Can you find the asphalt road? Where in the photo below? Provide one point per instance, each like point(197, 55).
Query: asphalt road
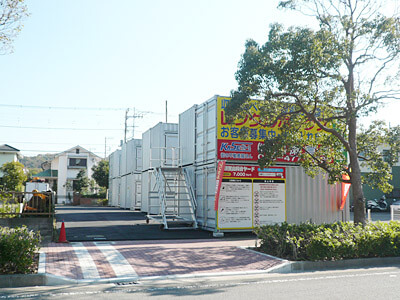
point(114, 224)
point(377, 283)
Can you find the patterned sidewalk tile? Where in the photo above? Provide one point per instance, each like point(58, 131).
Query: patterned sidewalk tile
point(158, 258)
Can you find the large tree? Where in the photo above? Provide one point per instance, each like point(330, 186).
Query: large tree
point(327, 77)
point(11, 14)
point(100, 173)
point(13, 176)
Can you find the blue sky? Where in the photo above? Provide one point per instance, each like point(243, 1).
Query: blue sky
point(85, 55)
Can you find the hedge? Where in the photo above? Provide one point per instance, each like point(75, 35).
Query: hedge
point(342, 240)
point(18, 250)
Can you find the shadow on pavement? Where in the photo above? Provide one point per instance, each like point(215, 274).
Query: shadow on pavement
point(114, 224)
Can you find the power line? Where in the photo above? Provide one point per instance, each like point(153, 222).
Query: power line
point(62, 107)
point(60, 128)
point(73, 108)
point(49, 143)
point(52, 151)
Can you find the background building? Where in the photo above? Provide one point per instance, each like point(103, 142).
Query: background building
point(64, 168)
point(8, 154)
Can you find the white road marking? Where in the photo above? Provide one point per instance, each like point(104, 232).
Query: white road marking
point(120, 265)
point(89, 269)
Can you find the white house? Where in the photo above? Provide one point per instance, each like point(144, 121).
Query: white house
point(64, 168)
point(8, 154)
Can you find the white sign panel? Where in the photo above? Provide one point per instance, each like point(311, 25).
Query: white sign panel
point(235, 204)
point(269, 201)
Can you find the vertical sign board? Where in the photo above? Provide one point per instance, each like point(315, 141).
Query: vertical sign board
point(251, 196)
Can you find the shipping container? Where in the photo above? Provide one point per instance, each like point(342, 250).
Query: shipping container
point(114, 162)
point(149, 197)
point(123, 191)
point(294, 198)
point(251, 197)
point(131, 188)
point(114, 192)
point(160, 146)
point(133, 156)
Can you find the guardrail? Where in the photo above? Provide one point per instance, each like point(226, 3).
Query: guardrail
point(26, 204)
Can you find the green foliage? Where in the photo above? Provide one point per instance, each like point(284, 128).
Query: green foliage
point(13, 177)
point(342, 240)
point(328, 78)
point(102, 202)
point(36, 161)
point(18, 248)
point(7, 205)
point(32, 172)
point(81, 183)
point(369, 145)
point(100, 173)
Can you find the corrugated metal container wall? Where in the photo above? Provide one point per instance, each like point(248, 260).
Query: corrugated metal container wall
point(116, 158)
point(123, 160)
point(206, 136)
point(158, 147)
point(187, 136)
point(114, 200)
point(312, 199)
point(146, 177)
point(307, 199)
point(205, 196)
point(129, 191)
point(122, 192)
point(136, 191)
point(133, 156)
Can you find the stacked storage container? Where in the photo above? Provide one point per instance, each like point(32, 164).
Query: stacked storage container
point(160, 149)
point(134, 174)
point(115, 179)
point(125, 175)
point(249, 195)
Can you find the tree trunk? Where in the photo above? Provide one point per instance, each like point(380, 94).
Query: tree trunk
point(358, 195)
point(355, 175)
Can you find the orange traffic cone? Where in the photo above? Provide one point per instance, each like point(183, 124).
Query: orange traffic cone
point(63, 236)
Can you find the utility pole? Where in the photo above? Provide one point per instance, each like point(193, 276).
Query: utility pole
point(134, 116)
point(126, 124)
point(166, 111)
point(105, 146)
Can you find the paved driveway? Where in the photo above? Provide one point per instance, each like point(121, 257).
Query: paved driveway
point(114, 224)
point(132, 260)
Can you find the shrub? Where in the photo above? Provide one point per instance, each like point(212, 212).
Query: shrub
point(342, 240)
point(102, 202)
point(18, 249)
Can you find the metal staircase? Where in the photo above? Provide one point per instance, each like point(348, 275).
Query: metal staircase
point(176, 199)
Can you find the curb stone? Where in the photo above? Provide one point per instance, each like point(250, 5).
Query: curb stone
point(359, 263)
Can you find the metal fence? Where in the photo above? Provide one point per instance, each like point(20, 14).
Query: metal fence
point(26, 204)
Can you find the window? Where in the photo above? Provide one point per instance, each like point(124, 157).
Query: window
point(77, 162)
point(77, 150)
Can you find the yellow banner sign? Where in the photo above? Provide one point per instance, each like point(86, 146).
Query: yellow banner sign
point(257, 130)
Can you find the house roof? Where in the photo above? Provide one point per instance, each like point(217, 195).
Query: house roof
point(80, 149)
point(8, 148)
point(47, 173)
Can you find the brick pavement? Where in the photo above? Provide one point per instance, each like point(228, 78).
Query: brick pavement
point(158, 258)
